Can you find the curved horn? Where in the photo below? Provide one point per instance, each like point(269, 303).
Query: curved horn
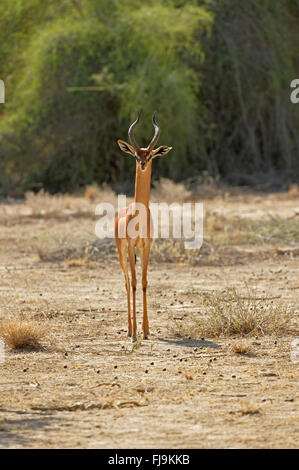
point(156, 135)
point(131, 133)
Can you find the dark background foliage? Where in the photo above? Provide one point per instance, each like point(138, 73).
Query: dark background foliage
point(217, 72)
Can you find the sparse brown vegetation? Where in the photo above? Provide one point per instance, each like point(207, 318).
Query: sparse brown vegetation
point(229, 313)
point(249, 408)
point(221, 230)
point(21, 334)
point(165, 190)
point(193, 390)
point(91, 192)
point(242, 346)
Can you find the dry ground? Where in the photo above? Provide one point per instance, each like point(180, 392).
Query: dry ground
point(89, 386)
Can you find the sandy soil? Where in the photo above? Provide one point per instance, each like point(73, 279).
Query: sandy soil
point(89, 386)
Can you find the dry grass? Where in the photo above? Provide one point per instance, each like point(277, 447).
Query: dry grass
point(228, 313)
point(220, 230)
point(249, 408)
point(171, 250)
point(95, 194)
point(43, 204)
point(91, 192)
point(166, 190)
point(294, 190)
point(242, 346)
point(46, 205)
point(91, 375)
point(21, 334)
point(75, 263)
point(226, 239)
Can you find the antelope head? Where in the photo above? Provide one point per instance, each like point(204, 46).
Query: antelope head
point(143, 155)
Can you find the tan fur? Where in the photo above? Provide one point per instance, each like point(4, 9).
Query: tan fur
point(126, 245)
point(126, 248)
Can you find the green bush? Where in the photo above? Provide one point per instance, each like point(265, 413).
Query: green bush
point(251, 58)
point(218, 73)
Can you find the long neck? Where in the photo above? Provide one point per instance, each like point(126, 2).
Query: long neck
point(143, 184)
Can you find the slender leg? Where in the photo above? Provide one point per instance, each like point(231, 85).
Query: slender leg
point(122, 254)
point(134, 283)
point(144, 252)
point(127, 280)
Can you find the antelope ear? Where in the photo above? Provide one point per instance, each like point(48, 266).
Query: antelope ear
point(127, 148)
point(160, 151)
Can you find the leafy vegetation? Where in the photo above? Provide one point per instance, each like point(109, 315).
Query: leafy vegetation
point(218, 73)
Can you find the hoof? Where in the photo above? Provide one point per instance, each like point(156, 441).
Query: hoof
point(134, 339)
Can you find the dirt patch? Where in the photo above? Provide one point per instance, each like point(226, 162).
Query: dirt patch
point(89, 386)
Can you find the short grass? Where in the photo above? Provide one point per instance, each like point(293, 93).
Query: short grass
point(229, 313)
point(21, 334)
point(221, 231)
point(240, 346)
point(249, 408)
point(74, 236)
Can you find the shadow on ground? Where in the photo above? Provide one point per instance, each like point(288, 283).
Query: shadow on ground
point(192, 343)
point(10, 428)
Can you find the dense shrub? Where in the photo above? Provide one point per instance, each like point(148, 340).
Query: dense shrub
point(251, 58)
point(217, 71)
